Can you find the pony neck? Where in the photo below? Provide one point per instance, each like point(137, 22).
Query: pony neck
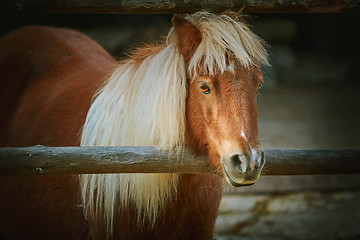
point(142, 104)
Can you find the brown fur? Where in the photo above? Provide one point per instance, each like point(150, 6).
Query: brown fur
point(43, 103)
point(50, 76)
point(223, 104)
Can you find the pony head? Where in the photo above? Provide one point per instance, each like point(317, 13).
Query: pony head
point(223, 59)
point(198, 90)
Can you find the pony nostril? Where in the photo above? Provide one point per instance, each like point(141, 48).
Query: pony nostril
point(240, 169)
point(238, 162)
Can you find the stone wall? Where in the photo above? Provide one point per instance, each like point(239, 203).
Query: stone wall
point(291, 215)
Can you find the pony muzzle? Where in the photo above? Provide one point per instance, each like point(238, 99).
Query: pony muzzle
point(243, 170)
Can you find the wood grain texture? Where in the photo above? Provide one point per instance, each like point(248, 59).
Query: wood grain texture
point(179, 6)
point(41, 160)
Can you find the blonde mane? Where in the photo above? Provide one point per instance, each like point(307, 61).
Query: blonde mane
point(223, 37)
point(143, 104)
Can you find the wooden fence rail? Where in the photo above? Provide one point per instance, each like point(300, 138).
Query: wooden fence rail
point(179, 6)
point(41, 160)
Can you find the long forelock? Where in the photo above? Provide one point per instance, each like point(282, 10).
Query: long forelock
point(224, 38)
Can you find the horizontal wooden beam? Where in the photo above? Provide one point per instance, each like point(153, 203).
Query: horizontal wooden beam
point(41, 160)
point(179, 6)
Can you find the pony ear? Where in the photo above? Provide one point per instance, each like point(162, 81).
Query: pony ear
point(188, 37)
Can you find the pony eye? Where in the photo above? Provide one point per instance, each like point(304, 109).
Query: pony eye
point(204, 88)
point(259, 86)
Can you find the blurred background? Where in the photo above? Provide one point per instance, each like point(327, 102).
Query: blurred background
point(310, 100)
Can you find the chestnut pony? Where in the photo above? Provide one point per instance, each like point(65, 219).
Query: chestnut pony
point(197, 90)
